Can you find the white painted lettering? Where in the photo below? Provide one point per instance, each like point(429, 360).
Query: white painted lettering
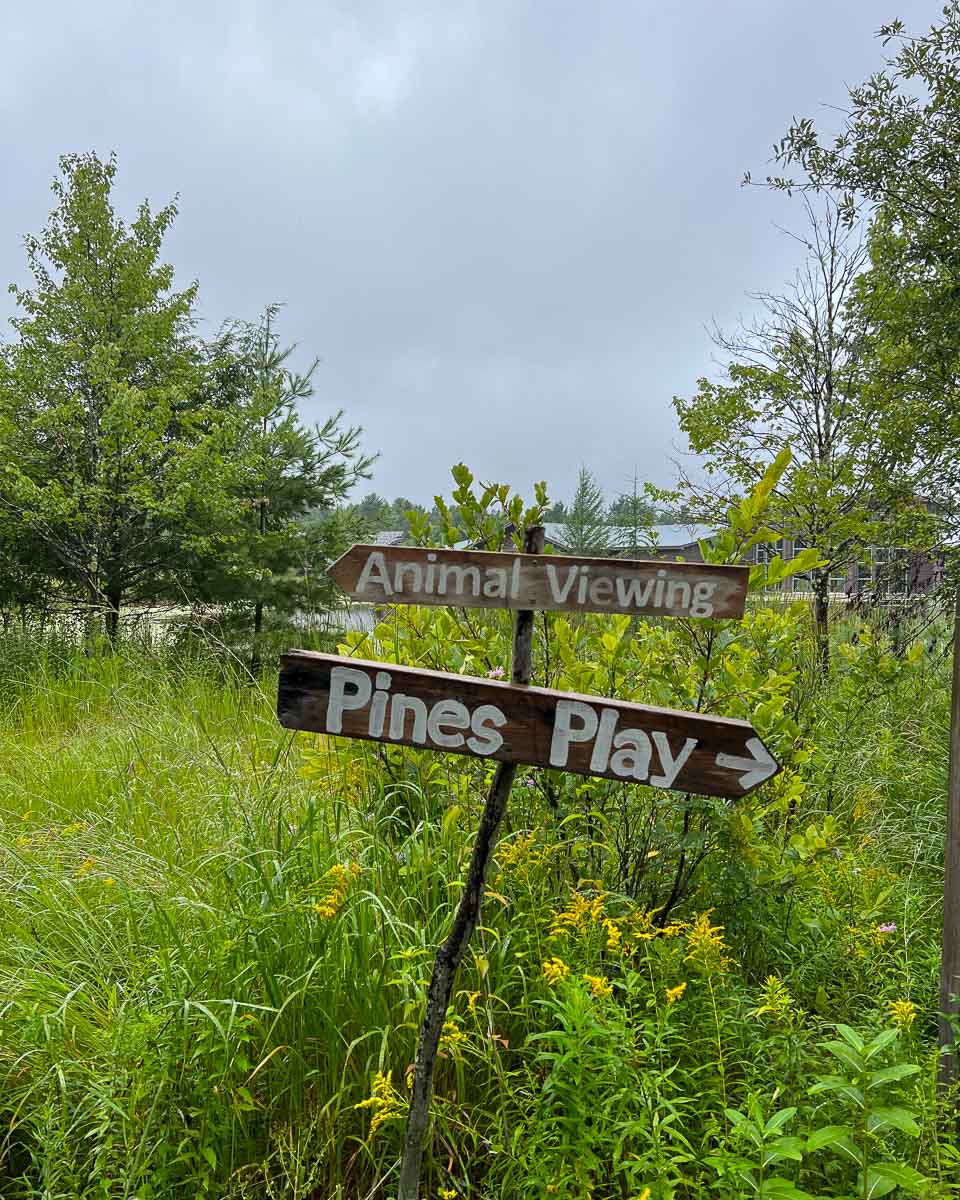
point(375, 562)
point(702, 596)
point(601, 747)
point(415, 573)
point(671, 766)
point(486, 740)
point(559, 592)
point(378, 706)
point(633, 593)
point(341, 700)
point(496, 584)
point(398, 718)
point(565, 732)
point(449, 713)
point(678, 587)
point(633, 760)
point(601, 591)
point(460, 575)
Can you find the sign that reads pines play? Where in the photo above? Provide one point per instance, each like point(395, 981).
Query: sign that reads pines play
point(589, 735)
point(482, 579)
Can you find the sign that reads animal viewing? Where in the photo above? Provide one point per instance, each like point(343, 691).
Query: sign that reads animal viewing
point(483, 579)
point(588, 735)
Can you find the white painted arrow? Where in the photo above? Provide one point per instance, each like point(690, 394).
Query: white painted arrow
point(758, 768)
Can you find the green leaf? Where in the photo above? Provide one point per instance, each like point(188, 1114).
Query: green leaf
point(778, 1188)
point(851, 1037)
point(838, 1138)
point(778, 1120)
point(897, 1118)
point(890, 1074)
point(782, 1149)
point(883, 1177)
point(881, 1042)
point(850, 1058)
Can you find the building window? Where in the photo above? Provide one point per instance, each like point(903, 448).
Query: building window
point(766, 552)
point(889, 569)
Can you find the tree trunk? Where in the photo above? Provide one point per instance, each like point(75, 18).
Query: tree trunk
point(257, 630)
point(821, 620)
point(111, 618)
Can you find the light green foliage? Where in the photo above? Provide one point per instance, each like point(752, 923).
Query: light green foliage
point(798, 379)
point(895, 158)
point(217, 935)
point(281, 529)
point(585, 523)
point(112, 462)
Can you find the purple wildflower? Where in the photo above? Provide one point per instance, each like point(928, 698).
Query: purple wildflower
point(496, 673)
point(889, 927)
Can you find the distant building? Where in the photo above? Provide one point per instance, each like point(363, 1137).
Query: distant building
point(657, 541)
point(885, 570)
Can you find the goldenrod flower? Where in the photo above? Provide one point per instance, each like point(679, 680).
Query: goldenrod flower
point(338, 881)
point(600, 986)
point(452, 1038)
point(447, 1193)
point(613, 935)
point(109, 881)
point(903, 1013)
point(673, 994)
point(386, 1103)
point(776, 999)
point(706, 946)
point(555, 969)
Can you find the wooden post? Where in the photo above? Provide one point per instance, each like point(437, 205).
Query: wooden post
point(950, 959)
point(454, 947)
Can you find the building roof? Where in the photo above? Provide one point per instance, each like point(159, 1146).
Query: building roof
point(659, 537)
point(389, 537)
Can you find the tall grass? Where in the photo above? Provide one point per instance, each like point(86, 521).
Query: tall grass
point(215, 938)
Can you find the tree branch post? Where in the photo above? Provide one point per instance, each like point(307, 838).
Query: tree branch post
point(950, 959)
point(451, 952)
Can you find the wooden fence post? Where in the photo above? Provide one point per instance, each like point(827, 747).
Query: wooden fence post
point(465, 920)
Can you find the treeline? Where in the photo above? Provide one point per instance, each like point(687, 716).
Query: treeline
point(587, 509)
point(139, 462)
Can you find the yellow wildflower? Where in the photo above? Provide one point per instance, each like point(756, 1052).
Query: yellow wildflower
point(579, 914)
point(644, 1195)
point(109, 881)
point(386, 1103)
point(338, 881)
point(600, 986)
point(673, 994)
point(705, 945)
point(776, 999)
point(555, 969)
point(472, 998)
point(452, 1038)
point(614, 935)
point(86, 867)
point(903, 1013)
point(447, 1193)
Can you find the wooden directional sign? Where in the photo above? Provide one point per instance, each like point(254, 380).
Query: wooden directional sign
point(481, 579)
point(589, 735)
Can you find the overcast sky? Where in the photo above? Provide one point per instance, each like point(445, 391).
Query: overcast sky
point(504, 226)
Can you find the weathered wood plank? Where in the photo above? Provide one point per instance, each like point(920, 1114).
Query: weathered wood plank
point(589, 735)
point(483, 579)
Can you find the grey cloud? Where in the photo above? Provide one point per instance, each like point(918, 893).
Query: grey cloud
point(503, 226)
